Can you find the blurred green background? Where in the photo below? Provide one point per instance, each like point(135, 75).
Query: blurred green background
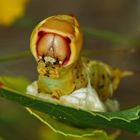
point(114, 40)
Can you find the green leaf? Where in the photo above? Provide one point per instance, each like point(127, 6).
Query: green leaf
point(15, 88)
point(1, 138)
point(65, 129)
point(75, 121)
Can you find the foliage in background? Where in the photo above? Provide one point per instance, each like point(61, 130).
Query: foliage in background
point(1, 138)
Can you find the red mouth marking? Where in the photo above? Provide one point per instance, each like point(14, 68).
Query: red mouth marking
point(40, 35)
point(67, 52)
point(68, 49)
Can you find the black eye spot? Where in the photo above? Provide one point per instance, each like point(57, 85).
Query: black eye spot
point(41, 33)
point(101, 86)
point(68, 40)
point(92, 84)
point(103, 77)
point(75, 67)
point(112, 78)
point(88, 61)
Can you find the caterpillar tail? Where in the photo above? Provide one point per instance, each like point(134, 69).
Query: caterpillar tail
point(126, 73)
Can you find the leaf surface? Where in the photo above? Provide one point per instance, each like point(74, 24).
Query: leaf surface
point(65, 119)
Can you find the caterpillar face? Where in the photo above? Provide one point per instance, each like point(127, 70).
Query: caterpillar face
point(51, 45)
point(57, 40)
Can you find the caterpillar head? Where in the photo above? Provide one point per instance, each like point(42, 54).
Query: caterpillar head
point(57, 40)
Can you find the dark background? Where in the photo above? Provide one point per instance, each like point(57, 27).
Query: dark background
point(120, 17)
